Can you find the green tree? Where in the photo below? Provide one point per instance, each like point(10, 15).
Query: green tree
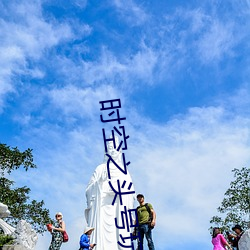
point(17, 199)
point(235, 207)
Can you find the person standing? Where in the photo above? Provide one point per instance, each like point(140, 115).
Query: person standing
point(218, 240)
point(56, 231)
point(239, 231)
point(144, 212)
point(85, 239)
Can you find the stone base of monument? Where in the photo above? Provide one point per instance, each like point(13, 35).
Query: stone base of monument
point(244, 242)
point(12, 247)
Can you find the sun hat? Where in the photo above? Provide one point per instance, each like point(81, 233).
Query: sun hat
point(87, 229)
point(59, 213)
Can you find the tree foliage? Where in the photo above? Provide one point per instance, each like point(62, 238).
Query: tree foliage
point(235, 207)
point(11, 159)
point(17, 199)
point(6, 240)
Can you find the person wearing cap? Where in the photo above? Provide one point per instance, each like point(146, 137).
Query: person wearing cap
point(145, 228)
point(56, 231)
point(239, 231)
point(85, 239)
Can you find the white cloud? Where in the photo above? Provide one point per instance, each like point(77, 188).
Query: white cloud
point(80, 3)
point(81, 102)
point(25, 35)
point(131, 12)
point(30, 32)
point(198, 33)
point(217, 42)
point(240, 100)
point(143, 63)
point(122, 71)
point(198, 19)
point(183, 167)
point(105, 69)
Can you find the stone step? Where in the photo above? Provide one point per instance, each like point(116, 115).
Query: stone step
point(12, 247)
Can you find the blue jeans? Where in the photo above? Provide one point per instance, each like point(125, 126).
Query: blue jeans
point(144, 229)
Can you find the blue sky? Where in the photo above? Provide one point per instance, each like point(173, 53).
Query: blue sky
point(181, 70)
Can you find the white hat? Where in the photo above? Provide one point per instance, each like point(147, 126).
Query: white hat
point(59, 213)
point(87, 229)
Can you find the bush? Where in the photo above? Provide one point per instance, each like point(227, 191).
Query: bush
point(6, 240)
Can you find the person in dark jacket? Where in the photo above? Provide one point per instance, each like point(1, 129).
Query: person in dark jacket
point(239, 231)
point(84, 240)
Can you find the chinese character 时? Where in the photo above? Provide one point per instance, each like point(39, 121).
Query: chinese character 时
point(114, 141)
point(114, 104)
point(119, 192)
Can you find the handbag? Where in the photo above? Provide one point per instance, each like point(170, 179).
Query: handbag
point(65, 236)
point(49, 227)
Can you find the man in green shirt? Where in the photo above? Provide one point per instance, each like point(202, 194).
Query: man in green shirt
point(145, 211)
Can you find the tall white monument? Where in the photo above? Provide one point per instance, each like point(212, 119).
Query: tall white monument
point(244, 242)
point(100, 212)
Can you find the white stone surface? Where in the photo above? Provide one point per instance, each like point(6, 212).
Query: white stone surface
point(244, 242)
point(25, 235)
point(14, 247)
point(7, 229)
point(4, 212)
point(100, 212)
